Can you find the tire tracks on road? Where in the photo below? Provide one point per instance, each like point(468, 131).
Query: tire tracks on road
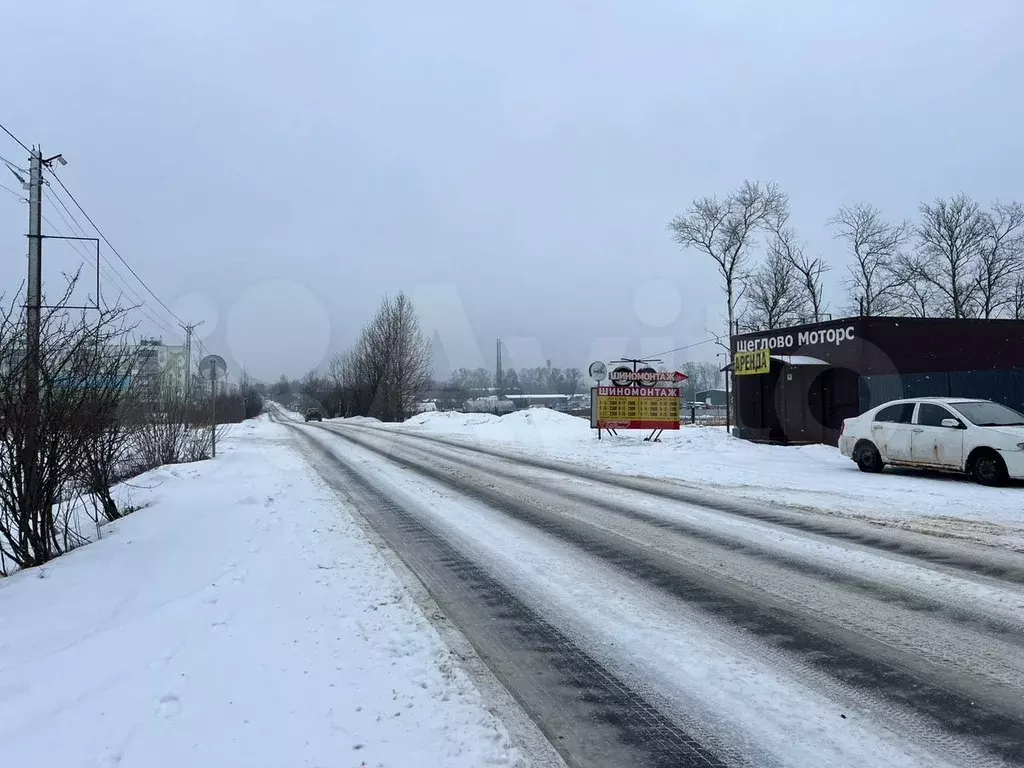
point(963, 556)
point(967, 710)
point(590, 716)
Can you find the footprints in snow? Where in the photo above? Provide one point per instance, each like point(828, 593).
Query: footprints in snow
point(169, 706)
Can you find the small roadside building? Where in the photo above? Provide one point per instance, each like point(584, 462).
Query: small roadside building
point(712, 397)
point(817, 375)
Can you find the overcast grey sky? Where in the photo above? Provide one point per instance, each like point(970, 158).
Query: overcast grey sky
point(273, 168)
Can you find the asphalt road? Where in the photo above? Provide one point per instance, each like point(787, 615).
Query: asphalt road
point(642, 623)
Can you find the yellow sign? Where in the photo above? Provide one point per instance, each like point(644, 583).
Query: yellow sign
point(752, 363)
point(636, 408)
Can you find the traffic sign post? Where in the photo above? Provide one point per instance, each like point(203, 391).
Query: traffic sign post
point(213, 367)
point(598, 371)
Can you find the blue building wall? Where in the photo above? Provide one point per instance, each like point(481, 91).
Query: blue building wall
point(1005, 386)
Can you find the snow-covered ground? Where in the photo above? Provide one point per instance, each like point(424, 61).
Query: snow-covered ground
point(816, 478)
point(240, 618)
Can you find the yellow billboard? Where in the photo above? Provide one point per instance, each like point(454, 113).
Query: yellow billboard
point(635, 408)
point(753, 362)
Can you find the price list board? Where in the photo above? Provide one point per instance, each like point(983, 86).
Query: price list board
point(635, 408)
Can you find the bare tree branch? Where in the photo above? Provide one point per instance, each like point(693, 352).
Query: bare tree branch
point(774, 291)
point(875, 246)
point(389, 367)
point(724, 230)
point(809, 271)
point(951, 237)
point(1017, 300)
point(1001, 258)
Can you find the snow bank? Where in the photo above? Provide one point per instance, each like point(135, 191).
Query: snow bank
point(240, 618)
point(368, 420)
point(814, 477)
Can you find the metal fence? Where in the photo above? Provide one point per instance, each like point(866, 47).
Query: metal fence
point(1006, 386)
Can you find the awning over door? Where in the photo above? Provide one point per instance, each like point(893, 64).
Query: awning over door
point(795, 360)
point(799, 360)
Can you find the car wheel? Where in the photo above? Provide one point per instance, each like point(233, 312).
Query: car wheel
point(868, 458)
point(988, 468)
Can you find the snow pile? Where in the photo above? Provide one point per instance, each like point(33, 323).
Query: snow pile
point(531, 427)
point(813, 477)
point(449, 422)
point(239, 618)
point(368, 420)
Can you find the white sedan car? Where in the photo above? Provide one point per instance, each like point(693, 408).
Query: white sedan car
point(979, 437)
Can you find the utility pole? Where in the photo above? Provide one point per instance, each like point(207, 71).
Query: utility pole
point(34, 296)
point(33, 310)
point(497, 372)
point(188, 354)
point(33, 307)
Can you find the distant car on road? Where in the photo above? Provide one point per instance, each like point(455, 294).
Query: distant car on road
point(981, 438)
point(314, 415)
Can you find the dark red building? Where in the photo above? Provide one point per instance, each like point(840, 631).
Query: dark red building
point(823, 373)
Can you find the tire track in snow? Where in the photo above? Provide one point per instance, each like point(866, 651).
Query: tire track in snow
point(1002, 565)
point(591, 716)
point(869, 666)
point(1004, 622)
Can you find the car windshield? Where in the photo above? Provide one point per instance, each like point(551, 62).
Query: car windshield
point(986, 414)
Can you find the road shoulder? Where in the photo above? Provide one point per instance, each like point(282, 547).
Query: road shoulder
point(240, 617)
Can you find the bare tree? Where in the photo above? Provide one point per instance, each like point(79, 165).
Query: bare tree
point(1017, 302)
point(875, 244)
point(108, 457)
point(951, 237)
point(725, 230)
point(774, 291)
point(568, 381)
point(410, 365)
point(917, 295)
point(42, 442)
point(1000, 259)
point(389, 368)
point(809, 270)
point(175, 433)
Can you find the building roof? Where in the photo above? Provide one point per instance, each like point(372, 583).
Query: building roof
point(536, 397)
point(799, 360)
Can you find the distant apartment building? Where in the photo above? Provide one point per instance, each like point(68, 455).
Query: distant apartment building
point(159, 370)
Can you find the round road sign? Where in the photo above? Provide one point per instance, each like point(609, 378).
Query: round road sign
point(212, 367)
point(598, 371)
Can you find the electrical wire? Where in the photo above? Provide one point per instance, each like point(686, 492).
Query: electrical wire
point(112, 248)
point(124, 284)
point(123, 281)
point(81, 230)
point(4, 127)
point(687, 346)
point(18, 195)
point(91, 259)
point(12, 166)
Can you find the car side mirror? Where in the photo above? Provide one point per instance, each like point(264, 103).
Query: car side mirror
point(951, 423)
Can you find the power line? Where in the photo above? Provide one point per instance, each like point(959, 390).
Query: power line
point(11, 165)
point(60, 201)
point(124, 285)
point(15, 138)
point(112, 248)
point(687, 346)
point(90, 258)
point(160, 324)
point(18, 195)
